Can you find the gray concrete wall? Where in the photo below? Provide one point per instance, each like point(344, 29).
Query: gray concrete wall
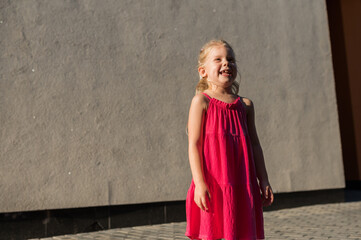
point(94, 96)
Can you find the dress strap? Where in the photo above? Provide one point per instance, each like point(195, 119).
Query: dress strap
point(205, 94)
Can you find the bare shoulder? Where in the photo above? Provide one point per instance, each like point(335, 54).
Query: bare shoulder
point(248, 102)
point(200, 100)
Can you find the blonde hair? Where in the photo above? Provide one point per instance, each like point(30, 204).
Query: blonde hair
point(203, 83)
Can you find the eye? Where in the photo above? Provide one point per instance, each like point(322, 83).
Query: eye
point(217, 59)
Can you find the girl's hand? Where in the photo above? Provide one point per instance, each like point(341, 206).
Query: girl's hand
point(267, 193)
point(201, 193)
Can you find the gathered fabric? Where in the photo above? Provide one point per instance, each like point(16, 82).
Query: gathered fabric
point(235, 208)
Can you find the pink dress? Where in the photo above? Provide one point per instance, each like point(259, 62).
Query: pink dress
point(235, 209)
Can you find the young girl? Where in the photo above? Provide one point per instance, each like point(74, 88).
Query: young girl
point(224, 199)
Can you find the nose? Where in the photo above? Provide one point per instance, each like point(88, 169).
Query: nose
point(225, 63)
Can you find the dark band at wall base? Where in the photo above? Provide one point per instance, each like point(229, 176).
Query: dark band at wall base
point(353, 185)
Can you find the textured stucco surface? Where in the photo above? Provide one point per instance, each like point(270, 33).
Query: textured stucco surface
point(94, 96)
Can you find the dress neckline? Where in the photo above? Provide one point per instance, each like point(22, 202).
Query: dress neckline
point(220, 101)
point(232, 105)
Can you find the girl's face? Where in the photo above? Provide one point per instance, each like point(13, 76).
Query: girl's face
point(220, 67)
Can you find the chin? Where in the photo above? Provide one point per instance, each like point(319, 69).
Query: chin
point(230, 81)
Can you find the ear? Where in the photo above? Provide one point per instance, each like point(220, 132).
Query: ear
point(202, 72)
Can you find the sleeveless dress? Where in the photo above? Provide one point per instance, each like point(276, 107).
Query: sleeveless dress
point(235, 208)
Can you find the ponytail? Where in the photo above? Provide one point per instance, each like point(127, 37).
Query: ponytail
point(202, 85)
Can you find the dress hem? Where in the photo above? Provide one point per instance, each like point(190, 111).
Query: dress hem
point(198, 237)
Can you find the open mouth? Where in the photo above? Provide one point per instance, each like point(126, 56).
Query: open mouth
point(226, 72)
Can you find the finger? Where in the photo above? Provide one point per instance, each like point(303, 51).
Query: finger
point(265, 201)
point(204, 203)
point(272, 197)
point(263, 194)
point(209, 195)
point(198, 204)
point(267, 189)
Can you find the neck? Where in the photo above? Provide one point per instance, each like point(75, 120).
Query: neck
point(219, 90)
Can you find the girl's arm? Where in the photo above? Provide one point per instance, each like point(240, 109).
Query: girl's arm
point(267, 193)
point(196, 113)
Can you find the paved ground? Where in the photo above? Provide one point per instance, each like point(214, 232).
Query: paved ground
point(336, 221)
